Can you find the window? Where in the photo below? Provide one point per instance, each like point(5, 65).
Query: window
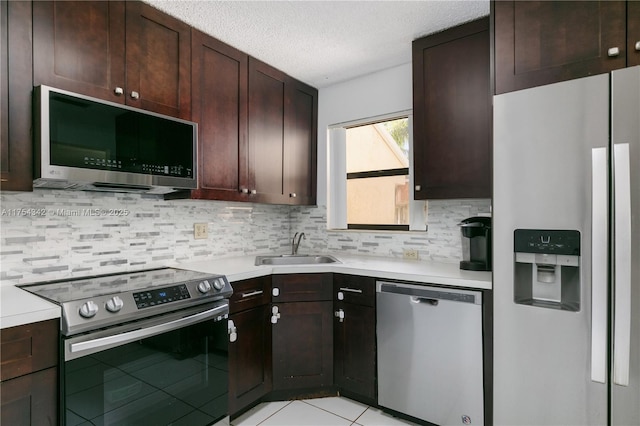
point(370, 175)
point(377, 158)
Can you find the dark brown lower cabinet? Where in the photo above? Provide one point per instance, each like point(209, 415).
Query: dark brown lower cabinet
point(249, 358)
point(30, 399)
point(354, 337)
point(355, 352)
point(250, 353)
point(303, 346)
point(29, 374)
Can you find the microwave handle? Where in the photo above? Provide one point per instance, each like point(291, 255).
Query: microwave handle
point(96, 345)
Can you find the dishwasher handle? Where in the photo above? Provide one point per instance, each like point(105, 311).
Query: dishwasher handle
point(426, 300)
point(419, 293)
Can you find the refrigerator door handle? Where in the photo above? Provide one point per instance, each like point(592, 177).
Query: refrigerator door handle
point(622, 264)
point(599, 261)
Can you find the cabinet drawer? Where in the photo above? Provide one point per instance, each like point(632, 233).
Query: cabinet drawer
point(250, 293)
point(354, 289)
point(302, 287)
point(28, 348)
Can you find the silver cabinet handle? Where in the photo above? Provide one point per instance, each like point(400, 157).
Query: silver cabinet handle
point(351, 290)
point(339, 314)
point(252, 293)
point(244, 190)
point(613, 52)
point(135, 95)
point(599, 271)
point(637, 46)
point(622, 264)
point(293, 195)
point(418, 187)
point(118, 91)
point(275, 292)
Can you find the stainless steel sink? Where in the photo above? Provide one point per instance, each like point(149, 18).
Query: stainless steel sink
point(299, 259)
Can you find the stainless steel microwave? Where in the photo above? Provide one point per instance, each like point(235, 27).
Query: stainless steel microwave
point(86, 143)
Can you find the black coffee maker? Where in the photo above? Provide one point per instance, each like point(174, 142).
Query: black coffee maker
point(476, 244)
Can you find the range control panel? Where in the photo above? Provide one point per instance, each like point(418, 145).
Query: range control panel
point(145, 299)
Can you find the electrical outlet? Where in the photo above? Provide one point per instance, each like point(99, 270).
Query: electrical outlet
point(411, 254)
point(200, 231)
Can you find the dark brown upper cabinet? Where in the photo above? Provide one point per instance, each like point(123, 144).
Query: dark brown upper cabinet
point(219, 106)
point(282, 137)
point(16, 166)
point(452, 113)
point(301, 130)
point(542, 42)
point(125, 52)
point(633, 33)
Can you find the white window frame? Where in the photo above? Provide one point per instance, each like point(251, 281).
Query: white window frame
point(337, 174)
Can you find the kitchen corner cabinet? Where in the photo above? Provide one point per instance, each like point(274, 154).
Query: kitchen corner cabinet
point(16, 169)
point(250, 376)
point(282, 116)
point(124, 52)
point(452, 113)
point(29, 374)
point(219, 105)
point(542, 42)
point(355, 337)
point(302, 324)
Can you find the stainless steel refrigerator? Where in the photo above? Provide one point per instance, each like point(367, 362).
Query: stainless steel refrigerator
point(566, 235)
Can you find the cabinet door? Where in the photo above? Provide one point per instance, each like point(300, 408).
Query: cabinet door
point(16, 155)
point(633, 33)
point(219, 106)
point(266, 132)
point(542, 42)
point(158, 60)
point(300, 143)
point(250, 358)
point(452, 113)
point(355, 350)
point(80, 46)
point(303, 346)
point(30, 399)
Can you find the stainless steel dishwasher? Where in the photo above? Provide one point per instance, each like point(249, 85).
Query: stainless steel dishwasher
point(430, 352)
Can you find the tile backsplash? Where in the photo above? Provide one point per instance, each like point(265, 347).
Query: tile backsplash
point(51, 234)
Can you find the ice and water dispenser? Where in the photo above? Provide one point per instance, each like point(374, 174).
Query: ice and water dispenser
point(547, 268)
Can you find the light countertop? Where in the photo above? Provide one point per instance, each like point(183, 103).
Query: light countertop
point(18, 307)
point(240, 268)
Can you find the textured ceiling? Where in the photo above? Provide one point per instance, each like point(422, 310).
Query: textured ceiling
point(324, 42)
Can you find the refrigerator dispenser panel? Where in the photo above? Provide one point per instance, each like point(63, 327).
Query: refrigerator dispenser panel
point(547, 268)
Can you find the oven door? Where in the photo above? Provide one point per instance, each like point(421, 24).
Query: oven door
point(167, 370)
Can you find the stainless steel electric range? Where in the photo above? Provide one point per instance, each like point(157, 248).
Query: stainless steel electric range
point(147, 347)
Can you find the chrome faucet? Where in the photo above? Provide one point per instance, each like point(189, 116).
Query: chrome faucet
point(294, 244)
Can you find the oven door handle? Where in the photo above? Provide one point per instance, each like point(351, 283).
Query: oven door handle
point(95, 345)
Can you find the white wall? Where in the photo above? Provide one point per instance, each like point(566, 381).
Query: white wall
point(374, 94)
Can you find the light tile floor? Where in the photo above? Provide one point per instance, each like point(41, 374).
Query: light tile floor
point(332, 411)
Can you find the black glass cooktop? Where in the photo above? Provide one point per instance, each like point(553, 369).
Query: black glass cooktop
point(62, 291)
